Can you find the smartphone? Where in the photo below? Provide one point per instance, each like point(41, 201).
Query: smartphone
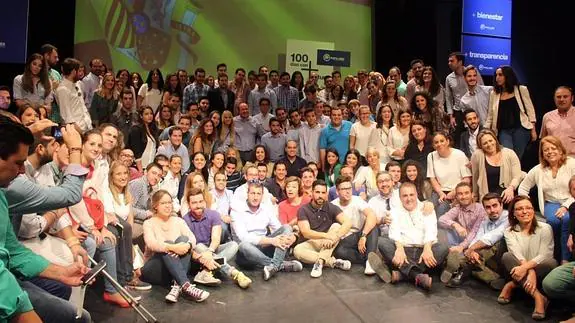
point(56, 132)
point(81, 228)
point(120, 229)
point(93, 272)
point(221, 261)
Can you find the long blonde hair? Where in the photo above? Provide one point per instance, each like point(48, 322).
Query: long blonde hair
point(113, 189)
point(107, 93)
point(207, 195)
point(224, 130)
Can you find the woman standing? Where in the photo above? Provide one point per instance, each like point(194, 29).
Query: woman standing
point(495, 169)
point(446, 167)
point(430, 83)
point(412, 171)
point(137, 81)
point(298, 82)
point(361, 130)
point(287, 209)
point(373, 96)
point(426, 110)
point(203, 140)
point(172, 180)
point(511, 113)
point(165, 118)
point(105, 101)
point(366, 174)
point(216, 118)
point(34, 85)
point(260, 155)
point(172, 86)
point(216, 165)
point(379, 137)
point(353, 160)
point(349, 92)
point(337, 96)
point(125, 78)
point(390, 97)
point(196, 180)
point(398, 138)
point(530, 255)
point(150, 93)
point(420, 143)
point(169, 245)
point(332, 166)
point(552, 179)
point(198, 165)
point(226, 135)
point(142, 138)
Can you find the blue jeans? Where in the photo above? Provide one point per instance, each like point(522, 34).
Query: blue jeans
point(162, 268)
point(560, 229)
point(516, 139)
point(51, 308)
point(440, 207)
point(227, 250)
point(108, 253)
point(250, 255)
point(53, 287)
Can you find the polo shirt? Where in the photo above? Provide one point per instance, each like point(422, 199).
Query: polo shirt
point(321, 219)
point(339, 139)
point(293, 168)
point(202, 228)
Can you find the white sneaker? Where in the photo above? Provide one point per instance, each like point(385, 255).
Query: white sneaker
point(342, 264)
point(174, 293)
point(317, 270)
point(368, 270)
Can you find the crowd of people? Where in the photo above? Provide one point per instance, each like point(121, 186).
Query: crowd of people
point(187, 180)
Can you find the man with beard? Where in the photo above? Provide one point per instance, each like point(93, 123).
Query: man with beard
point(477, 95)
point(206, 226)
point(70, 97)
point(141, 190)
point(91, 82)
point(468, 141)
point(50, 54)
point(322, 225)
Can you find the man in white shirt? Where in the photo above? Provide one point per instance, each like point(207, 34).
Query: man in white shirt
point(175, 147)
point(223, 199)
point(263, 118)
point(241, 193)
point(91, 82)
point(250, 223)
point(309, 134)
point(382, 203)
point(412, 247)
point(362, 237)
point(70, 99)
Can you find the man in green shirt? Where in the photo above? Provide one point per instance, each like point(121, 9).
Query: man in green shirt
point(18, 261)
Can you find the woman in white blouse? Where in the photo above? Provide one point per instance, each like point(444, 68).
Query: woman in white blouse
point(446, 167)
point(360, 131)
point(552, 179)
point(366, 174)
point(34, 85)
point(171, 181)
point(392, 98)
point(150, 93)
point(530, 255)
point(398, 138)
point(378, 137)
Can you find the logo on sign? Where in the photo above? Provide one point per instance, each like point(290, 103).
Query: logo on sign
point(483, 67)
point(485, 27)
point(326, 57)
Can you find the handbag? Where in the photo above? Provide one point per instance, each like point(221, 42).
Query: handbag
point(94, 206)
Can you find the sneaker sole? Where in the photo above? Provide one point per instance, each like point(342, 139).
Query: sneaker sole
point(379, 267)
point(315, 276)
point(171, 301)
point(140, 288)
point(207, 283)
point(446, 276)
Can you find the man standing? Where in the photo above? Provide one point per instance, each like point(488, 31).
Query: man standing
point(294, 125)
point(183, 77)
point(287, 95)
point(196, 90)
point(311, 97)
point(325, 94)
point(335, 135)
point(240, 88)
point(250, 222)
point(275, 140)
point(455, 89)
point(50, 54)
point(362, 238)
point(91, 82)
point(263, 118)
point(261, 91)
point(412, 248)
point(468, 141)
point(206, 226)
point(309, 137)
point(561, 121)
point(395, 75)
point(221, 98)
point(318, 109)
point(175, 147)
point(184, 124)
point(125, 117)
point(246, 132)
point(483, 257)
point(322, 225)
point(417, 70)
point(477, 95)
point(70, 99)
point(292, 161)
point(463, 221)
point(274, 79)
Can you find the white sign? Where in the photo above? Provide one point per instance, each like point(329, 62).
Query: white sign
point(301, 55)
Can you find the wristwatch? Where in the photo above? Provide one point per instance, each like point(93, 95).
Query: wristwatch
point(363, 235)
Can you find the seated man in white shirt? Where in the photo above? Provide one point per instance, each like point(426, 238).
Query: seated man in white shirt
point(383, 202)
point(250, 222)
point(241, 193)
point(362, 237)
point(412, 247)
point(222, 203)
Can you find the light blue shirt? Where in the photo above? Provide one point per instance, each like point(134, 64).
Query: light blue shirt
point(339, 139)
point(182, 151)
point(275, 145)
point(490, 232)
point(248, 226)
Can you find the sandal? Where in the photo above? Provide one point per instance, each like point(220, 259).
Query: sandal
point(537, 316)
point(502, 299)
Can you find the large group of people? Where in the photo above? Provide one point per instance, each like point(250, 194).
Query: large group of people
point(190, 180)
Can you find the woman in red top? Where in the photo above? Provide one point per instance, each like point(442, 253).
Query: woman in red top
point(288, 208)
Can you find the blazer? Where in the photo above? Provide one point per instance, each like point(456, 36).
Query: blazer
point(216, 102)
point(526, 109)
point(464, 141)
point(138, 139)
point(510, 172)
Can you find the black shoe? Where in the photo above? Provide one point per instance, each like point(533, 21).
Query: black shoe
point(456, 280)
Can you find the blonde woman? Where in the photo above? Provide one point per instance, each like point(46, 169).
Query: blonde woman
point(118, 209)
point(226, 135)
point(366, 174)
point(196, 180)
point(361, 130)
point(398, 137)
point(105, 101)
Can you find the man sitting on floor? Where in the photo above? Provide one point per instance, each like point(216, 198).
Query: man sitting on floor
point(206, 226)
point(412, 248)
point(323, 225)
point(362, 238)
point(483, 257)
point(250, 222)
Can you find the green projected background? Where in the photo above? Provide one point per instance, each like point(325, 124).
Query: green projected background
point(142, 34)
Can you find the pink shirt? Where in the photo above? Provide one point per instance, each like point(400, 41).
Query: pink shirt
point(288, 212)
point(561, 127)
